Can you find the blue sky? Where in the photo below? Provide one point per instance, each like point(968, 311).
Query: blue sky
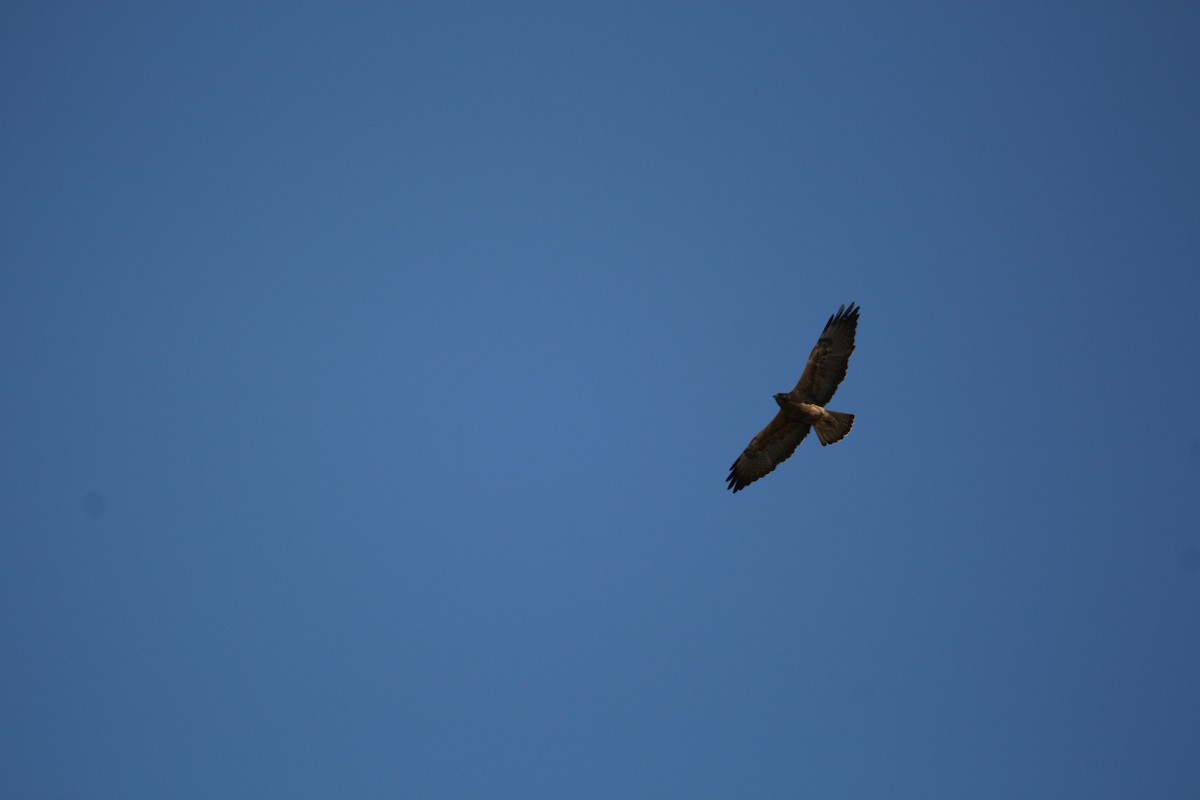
point(371, 373)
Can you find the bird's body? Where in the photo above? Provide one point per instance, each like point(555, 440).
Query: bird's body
point(803, 408)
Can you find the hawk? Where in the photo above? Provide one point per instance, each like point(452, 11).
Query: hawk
point(804, 407)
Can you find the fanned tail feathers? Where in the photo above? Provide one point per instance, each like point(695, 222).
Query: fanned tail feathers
point(833, 427)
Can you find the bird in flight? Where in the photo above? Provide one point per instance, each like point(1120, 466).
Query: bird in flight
point(804, 406)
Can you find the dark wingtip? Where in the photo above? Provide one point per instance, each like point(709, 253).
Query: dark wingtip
point(844, 312)
point(733, 482)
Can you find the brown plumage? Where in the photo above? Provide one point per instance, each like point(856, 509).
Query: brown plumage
point(804, 406)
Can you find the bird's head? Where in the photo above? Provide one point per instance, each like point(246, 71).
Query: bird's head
point(782, 399)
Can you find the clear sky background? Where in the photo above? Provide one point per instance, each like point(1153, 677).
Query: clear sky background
point(371, 372)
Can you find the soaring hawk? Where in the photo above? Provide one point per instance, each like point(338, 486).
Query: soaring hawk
point(804, 407)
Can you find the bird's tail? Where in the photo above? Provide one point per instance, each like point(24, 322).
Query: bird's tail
point(833, 426)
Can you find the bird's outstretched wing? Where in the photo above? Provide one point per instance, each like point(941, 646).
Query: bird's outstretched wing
point(768, 450)
point(828, 360)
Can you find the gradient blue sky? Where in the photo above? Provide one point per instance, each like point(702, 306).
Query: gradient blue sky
point(371, 372)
